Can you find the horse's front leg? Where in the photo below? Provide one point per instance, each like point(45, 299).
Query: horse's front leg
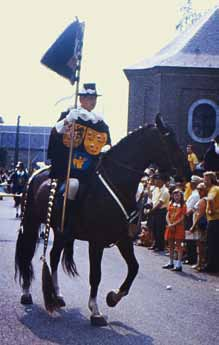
point(55, 255)
point(126, 249)
point(95, 257)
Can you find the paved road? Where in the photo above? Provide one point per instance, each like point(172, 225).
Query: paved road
point(150, 315)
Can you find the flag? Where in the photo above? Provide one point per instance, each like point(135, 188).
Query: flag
point(65, 53)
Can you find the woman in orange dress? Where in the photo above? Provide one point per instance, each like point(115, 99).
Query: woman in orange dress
point(175, 232)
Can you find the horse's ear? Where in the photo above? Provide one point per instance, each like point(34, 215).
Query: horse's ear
point(161, 125)
point(160, 122)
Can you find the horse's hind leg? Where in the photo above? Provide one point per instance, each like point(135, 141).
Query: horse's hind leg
point(126, 249)
point(17, 205)
point(25, 248)
point(95, 256)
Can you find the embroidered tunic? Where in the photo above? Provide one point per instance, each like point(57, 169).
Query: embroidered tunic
point(19, 180)
point(91, 134)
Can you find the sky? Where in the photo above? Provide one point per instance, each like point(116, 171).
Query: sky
point(118, 34)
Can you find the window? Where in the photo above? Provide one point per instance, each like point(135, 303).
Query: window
point(203, 120)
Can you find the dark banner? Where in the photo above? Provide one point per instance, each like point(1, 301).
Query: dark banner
point(64, 54)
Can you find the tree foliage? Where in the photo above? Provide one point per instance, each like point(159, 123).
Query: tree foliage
point(3, 157)
point(189, 16)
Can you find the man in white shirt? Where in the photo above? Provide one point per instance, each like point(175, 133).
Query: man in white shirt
point(160, 201)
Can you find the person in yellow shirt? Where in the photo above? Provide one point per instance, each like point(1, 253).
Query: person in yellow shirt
point(192, 158)
point(188, 191)
point(212, 213)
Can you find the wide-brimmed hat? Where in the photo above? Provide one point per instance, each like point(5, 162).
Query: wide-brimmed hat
point(196, 179)
point(89, 90)
point(201, 186)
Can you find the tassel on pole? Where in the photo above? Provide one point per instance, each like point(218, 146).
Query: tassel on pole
point(49, 293)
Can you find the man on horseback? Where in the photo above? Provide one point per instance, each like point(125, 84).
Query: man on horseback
point(91, 134)
point(18, 180)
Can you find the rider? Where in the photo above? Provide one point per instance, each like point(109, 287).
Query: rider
point(91, 134)
point(18, 179)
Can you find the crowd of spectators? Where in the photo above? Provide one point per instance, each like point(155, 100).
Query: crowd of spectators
point(181, 218)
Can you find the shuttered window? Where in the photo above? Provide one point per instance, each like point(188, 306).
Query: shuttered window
point(203, 120)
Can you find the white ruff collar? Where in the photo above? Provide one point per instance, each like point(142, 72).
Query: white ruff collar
point(216, 147)
point(176, 204)
point(21, 173)
point(89, 115)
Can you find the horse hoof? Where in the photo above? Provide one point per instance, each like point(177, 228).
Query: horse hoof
point(110, 299)
point(60, 301)
point(98, 320)
point(26, 299)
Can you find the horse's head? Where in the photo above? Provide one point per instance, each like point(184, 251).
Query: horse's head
point(139, 149)
point(177, 156)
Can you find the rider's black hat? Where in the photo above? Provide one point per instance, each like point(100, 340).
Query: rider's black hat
point(89, 89)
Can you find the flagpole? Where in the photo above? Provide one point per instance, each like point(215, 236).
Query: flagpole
point(51, 299)
point(71, 141)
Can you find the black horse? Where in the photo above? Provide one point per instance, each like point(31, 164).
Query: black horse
point(103, 215)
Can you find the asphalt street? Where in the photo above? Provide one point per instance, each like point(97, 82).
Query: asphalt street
point(186, 313)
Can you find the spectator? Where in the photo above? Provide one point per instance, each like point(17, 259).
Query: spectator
point(188, 191)
point(143, 198)
point(199, 226)
point(175, 232)
point(141, 188)
point(212, 212)
point(160, 201)
point(3, 181)
point(194, 197)
point(192, 158)
point(179, 183)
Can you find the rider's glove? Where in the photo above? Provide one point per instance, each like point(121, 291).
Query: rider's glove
point(105, 148)
point(72, 115)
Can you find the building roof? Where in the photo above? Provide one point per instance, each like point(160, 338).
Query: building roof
point(197, 47)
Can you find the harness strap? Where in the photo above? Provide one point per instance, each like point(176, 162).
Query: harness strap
point(128, 217)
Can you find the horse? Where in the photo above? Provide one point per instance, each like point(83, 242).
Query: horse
point(103, 215)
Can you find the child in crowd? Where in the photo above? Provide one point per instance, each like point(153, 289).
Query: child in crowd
point(175, 232)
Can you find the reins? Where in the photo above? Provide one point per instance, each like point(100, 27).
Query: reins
point(113, 190)
point(127, 167)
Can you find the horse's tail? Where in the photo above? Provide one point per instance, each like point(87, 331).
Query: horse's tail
point(26, 241)
point(68, 263)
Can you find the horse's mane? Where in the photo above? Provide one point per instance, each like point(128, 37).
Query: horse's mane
point(131, 138)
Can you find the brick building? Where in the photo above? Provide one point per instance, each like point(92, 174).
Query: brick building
point(182, 83)
point(33, 143)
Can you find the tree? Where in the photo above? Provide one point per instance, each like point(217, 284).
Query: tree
point(189, 16)
point(3, 157)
